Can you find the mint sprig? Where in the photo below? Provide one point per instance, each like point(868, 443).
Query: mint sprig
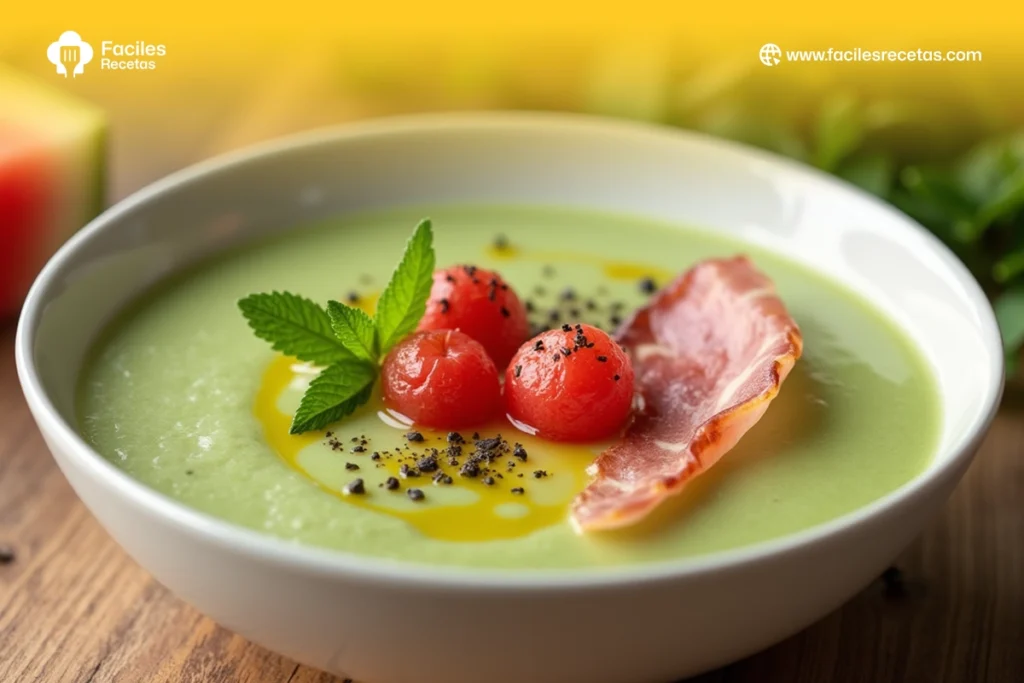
point(354, 329)
point(295, 326)
point(345, 340)
point(404, 301)
point(337, 391)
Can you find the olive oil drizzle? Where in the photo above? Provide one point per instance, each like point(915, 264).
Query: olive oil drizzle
point(482, 516)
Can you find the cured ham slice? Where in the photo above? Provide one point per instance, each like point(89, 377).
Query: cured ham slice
point(710, 352)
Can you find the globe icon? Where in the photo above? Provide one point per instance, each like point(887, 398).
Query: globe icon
point(770, 54)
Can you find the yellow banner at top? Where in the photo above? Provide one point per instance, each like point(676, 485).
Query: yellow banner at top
point(224, 26)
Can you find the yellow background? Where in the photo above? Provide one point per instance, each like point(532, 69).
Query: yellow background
point(239, 72)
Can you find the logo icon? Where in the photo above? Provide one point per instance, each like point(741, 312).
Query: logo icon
point(69, 54)
point(770, 54)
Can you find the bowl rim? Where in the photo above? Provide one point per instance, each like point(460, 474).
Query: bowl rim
point(327, 562)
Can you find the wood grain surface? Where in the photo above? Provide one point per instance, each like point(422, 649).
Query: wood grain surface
point(74, 607)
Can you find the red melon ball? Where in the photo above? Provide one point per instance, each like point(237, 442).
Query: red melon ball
point(480, 304)
point(570, 384)
point(441, 379)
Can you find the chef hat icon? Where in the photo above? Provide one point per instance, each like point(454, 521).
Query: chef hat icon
point(63, 59)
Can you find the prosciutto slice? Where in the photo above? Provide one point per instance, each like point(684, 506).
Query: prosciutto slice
point(709, 352)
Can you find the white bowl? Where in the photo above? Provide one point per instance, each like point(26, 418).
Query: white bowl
point(361, 617)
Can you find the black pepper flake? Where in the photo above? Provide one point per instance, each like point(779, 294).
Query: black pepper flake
point(530, 306)
point(556, 356)
point(359, 449)
point(489, 480)
point(455, 437)
point(501, 243)
point(427, 464)
point(566, 351)
point(518, 370)
point(414, 436)
point(445, 305)
point(505, 312)
point(648, 286)
point(566, 327)
point(893, 580)
point(391, 484)
point(350, 466)
point(488, 444)
point(190, 472)
point(519, 452)
point(449, 278)
point(355, 487)
point(476, 435)
point(539, 474)
point(602, 359)
point(353, 297)
point(470, 469)
point(406, 472)
point(375, 456)
point(568, 294)
point(7, 554)
point(518, 491)
point(538, 345)
point(614, 320)
point(616, 378)
point(416, 494)
point(590, 304)
point(554, 315)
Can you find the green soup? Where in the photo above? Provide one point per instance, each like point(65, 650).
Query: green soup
point(172, 397)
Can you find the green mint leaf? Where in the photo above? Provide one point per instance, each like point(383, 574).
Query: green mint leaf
point(294, 326)
point(404, 300)
point(337, 391)
point(354, 329)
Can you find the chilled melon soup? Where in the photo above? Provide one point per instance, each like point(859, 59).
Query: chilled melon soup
point(180, 395)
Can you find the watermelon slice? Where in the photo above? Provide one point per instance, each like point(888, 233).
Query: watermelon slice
point(51, 177)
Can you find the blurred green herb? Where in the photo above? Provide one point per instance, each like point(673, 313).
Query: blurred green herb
point(976, 205)
point(903, 152)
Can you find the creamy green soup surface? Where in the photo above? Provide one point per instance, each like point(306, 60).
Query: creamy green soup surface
point(170, 395)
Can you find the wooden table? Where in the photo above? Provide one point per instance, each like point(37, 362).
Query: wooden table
point(74, 607)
